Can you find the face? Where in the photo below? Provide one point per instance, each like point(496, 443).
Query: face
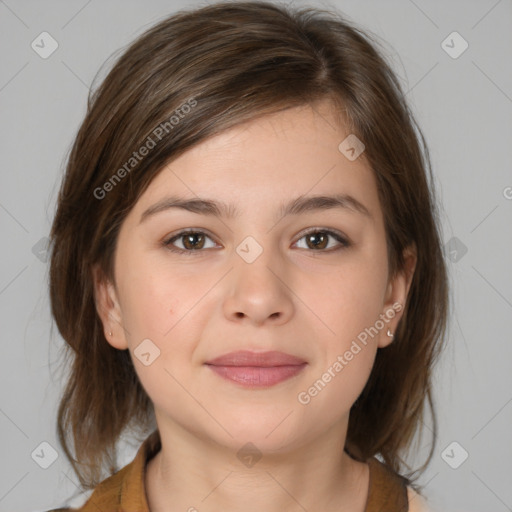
point(311, 282)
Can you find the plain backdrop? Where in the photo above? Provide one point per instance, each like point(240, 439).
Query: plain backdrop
point(462, 98)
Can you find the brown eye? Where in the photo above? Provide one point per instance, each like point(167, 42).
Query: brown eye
point(191, 241)
point(318, 240)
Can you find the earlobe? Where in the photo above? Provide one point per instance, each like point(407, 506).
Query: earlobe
point(396, 296)
point(108, 309)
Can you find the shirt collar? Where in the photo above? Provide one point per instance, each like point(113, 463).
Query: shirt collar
point(133, 489)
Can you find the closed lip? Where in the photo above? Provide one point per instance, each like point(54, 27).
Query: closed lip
point(257, 359)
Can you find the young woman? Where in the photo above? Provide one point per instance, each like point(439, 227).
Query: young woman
point(246, 265)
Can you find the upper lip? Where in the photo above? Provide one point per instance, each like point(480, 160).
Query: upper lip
point(259, 359)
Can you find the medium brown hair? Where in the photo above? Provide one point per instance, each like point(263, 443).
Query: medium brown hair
point(232, 62)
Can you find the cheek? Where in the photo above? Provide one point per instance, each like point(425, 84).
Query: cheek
point(350, 299)
point(157, 322)
point(153, 299)
point(332, 389)
point(163, 308)
point(350, 306)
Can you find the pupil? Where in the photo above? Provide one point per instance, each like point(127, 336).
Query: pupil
point(312, 237)
point(189, 240)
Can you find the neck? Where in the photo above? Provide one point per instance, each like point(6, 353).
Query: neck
point(194, 474)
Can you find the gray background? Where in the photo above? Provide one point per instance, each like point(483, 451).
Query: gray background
point(464, 106)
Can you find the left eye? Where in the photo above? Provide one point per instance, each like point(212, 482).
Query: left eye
point(317, 239)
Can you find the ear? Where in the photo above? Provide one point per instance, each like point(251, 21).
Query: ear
point(396, 296)
point(109, 311)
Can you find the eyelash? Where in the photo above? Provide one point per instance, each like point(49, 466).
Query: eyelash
point(168, 243)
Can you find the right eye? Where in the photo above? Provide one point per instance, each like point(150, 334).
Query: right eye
point(191, 240)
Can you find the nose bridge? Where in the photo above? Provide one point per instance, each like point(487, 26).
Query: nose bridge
point(253, 263)
point(258, 290)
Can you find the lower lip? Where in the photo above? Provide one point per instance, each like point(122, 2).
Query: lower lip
point(256, 376)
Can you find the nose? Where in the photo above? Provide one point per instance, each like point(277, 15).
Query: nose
point(259, 292)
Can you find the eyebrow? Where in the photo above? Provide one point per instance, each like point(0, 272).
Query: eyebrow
point(297, 206)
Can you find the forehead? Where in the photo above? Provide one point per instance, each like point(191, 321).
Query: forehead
point(266, 162)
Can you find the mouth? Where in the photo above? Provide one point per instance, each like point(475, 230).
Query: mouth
point(256, 369)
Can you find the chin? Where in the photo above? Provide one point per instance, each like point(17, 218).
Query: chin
point(270, 433)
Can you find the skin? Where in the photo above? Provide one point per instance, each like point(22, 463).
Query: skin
point(295, 298)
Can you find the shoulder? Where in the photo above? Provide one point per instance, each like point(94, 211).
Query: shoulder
point(390, 487)
point(123, 490)
point(107, 495)
point(417, 502)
